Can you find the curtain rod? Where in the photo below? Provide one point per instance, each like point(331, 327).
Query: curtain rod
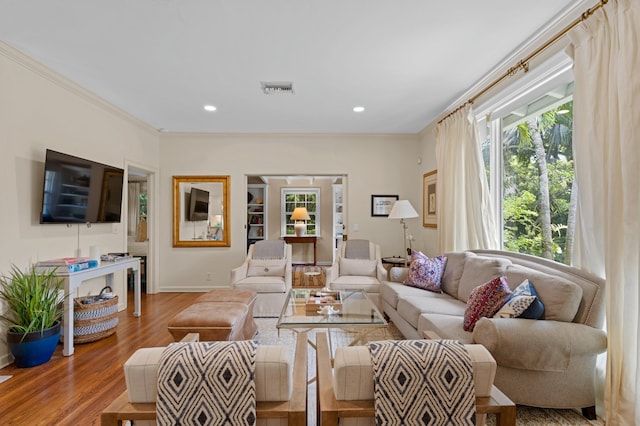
point(524, 63)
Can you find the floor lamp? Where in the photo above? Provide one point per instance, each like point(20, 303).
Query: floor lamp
point(402, 209)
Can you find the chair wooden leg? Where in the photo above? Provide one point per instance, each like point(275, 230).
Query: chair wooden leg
point(589, 412)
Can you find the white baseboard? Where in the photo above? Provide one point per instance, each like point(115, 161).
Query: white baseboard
point(198, 289)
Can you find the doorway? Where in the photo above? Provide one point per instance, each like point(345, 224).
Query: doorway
point(272, 198)
point(140, 217)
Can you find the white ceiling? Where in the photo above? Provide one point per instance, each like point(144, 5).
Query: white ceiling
point(405, 61)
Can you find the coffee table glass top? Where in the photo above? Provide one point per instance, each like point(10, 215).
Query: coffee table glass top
point(353, 308)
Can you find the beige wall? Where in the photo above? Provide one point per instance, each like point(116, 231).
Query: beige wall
point(374, 164)
point(429, 236)
point(39, 110)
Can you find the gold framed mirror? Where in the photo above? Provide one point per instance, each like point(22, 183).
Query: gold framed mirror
point(201, 211)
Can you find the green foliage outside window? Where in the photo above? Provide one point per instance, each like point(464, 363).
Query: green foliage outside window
point(538, 180)
point(301, 199)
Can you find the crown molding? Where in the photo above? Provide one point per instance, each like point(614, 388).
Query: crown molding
point(48, 74)
point(539, 38)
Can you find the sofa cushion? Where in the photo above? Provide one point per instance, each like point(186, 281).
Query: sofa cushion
point(425, 272)
point(445, 326)
point(453, 271)
point(410, 308)
point(266, 267)
point(479, 270)
point(361, 267)
point(485, 301)
point(560, 297)
point(392, 292)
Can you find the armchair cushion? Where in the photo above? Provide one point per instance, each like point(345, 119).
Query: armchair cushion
point(266, 267)
point(358, 249)
point(361, 267)
point(270, 249)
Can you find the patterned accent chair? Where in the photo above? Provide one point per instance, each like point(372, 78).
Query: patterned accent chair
point(358, 266)
point(268, 274)
point(280, 379)
point(345, 392)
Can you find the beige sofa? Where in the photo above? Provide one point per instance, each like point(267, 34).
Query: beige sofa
point(541, 363)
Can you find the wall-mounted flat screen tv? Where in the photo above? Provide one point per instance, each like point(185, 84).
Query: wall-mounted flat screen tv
point(77, 190)
point(198, 205)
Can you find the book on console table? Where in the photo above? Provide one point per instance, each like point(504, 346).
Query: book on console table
point(318, 299)
point(66, 264)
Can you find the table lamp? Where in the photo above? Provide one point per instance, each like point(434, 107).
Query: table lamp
point(300, 214)
point(402, 209)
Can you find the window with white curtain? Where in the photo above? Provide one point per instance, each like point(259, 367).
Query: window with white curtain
point(526, 137)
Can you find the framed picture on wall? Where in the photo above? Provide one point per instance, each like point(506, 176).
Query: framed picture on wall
point(429, 199)
point(381, 204)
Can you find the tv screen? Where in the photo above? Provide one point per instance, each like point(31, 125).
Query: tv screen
point(77, 190)
point(199, 205)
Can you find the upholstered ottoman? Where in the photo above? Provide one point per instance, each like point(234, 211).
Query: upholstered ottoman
point(217, 315)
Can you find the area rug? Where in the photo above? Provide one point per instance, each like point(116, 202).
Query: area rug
point(525, 416)
point(304, 276)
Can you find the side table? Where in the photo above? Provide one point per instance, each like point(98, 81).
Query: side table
point(390, 262)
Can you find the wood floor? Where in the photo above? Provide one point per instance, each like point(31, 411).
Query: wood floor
point(74, 390)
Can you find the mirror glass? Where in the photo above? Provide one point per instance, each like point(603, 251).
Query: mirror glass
point(201, 211)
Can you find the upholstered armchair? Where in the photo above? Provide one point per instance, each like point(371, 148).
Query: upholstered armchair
point(358, 266)
point(280, 386)
point(346, 385)
point(267, 271)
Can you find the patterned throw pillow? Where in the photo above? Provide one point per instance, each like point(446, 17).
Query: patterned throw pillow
point(425, 272)
point(485, 300)
point(536, 309)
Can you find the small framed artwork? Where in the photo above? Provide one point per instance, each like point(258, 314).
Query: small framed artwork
point(429, 199)
point(381, 204)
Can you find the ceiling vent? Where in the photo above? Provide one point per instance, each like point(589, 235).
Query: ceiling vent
point(277, 87)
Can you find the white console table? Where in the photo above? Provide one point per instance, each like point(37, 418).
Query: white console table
point(72, 281)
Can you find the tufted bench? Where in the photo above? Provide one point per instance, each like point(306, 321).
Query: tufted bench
point(224, 314)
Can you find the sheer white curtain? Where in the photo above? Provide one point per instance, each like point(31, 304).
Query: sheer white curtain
point(133, 208)
point(607, 160)
point(465, 216)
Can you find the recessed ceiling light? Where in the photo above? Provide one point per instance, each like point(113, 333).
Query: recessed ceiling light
point(358, 109)
point(209, 108)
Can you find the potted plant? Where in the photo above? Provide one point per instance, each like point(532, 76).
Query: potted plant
point(32, 311)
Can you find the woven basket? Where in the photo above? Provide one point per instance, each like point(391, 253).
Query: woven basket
point(94, 318)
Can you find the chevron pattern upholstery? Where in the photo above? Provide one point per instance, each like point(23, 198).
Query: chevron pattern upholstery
point(422, 382)
point(207, 383)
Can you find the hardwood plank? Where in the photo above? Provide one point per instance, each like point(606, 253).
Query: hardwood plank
point(74, 390)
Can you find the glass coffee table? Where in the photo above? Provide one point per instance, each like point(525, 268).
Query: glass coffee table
point(306, 309)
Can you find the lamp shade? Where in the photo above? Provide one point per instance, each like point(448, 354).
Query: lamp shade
point(301, 213)
point(402, 209)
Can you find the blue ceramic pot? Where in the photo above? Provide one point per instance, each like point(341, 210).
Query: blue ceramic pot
point(36, 348)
